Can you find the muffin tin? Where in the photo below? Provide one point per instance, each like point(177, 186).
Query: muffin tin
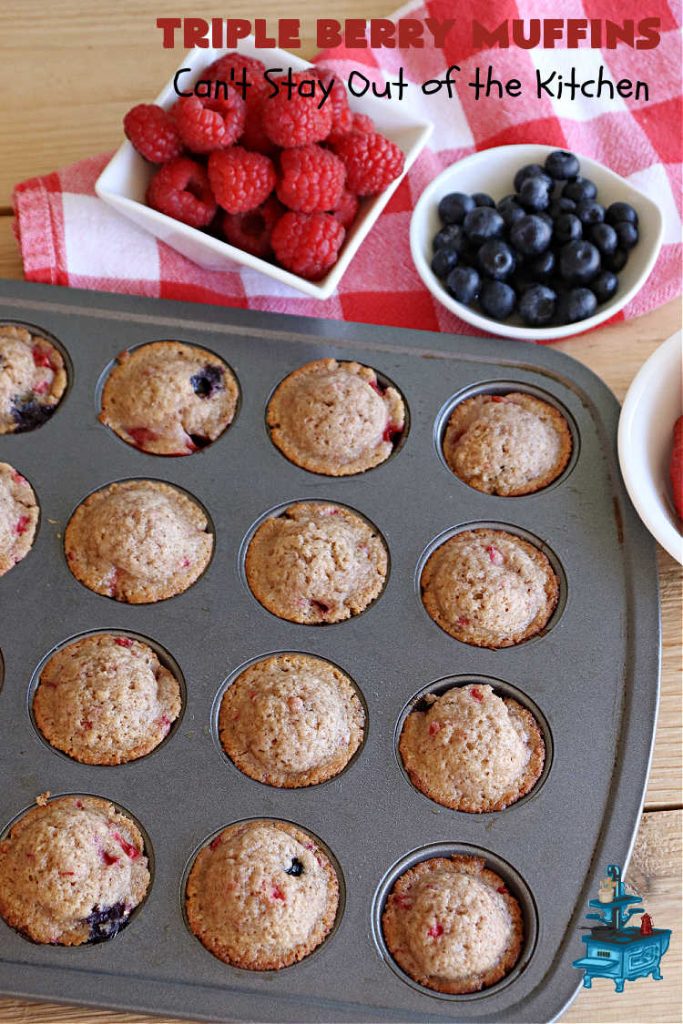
point(593, 674)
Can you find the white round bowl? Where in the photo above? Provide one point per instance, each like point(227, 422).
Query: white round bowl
point(492, 171)
point(652, 406)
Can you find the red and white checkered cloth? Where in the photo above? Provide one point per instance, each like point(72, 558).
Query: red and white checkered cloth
point(69, 237)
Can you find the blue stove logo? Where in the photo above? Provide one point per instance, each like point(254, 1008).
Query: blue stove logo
point(614, 951)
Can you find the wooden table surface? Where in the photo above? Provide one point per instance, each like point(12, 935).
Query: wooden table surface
point(69, 71)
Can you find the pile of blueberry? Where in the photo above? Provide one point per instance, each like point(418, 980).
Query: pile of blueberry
point(551, 252)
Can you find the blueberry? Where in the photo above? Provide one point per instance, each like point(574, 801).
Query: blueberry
point(510, 210)
point(542, 267)
point(483, 223)
point(576, 304)
point(105, 924)
point(604, 238)
point(561, 205)
point(617, 213)
point(30, 414)
point(496, 259)
point(530, 235)
point(207, 381)
point(534, 195)
point(450, 237)
point(547, 218)
point(530, 171)
point(616, 260)
point(580, 188)
point(579, 262)
point(443, 261)
point(561, 165)
point(463, 284)
point(296, 868)
point(627, 234)
point(497, 299)
point(568, 228)
point(590, 212)
point(537, 305)
point(454, 206)
point(605, 286)
point(483, 199)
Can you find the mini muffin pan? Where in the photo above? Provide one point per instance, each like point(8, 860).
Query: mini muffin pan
point(592, 675)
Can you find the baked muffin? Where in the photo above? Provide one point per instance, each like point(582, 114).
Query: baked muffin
point(472, 750)
point(138, 541)
point(335, 418)
point(316, 563)
point(489, 588)
point(291, 720)
point(32, 379)
point(18, 517)
point(71, 871)
point(507, 444)
point(106, 699)
point(451, 924)
point(262, 895)
point(168, 398)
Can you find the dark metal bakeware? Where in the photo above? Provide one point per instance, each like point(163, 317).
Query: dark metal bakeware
point(593, 675)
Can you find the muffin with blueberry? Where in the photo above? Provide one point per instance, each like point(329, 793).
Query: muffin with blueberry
point(489, 588)
point(335, 418)
point(72, 870)
point(316, 563)
point(291, 720)
point(168, 398)
point(262, 895)
point(32, 378)
point(18, 517)
point(471, 750)
point(508, 445)
point(451, 924)
point(106, 699)
point(138, 541)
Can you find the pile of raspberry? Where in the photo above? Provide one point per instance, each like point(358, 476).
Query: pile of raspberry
point(279, 177)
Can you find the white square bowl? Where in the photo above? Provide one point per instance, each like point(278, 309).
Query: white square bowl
point(492, 171)
point(123, 182)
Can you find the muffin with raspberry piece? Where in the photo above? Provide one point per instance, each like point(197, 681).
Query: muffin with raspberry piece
point(509, 445)
point(489, 588)
point(291, 720)
point(451, 924)
point(32, 378)
point(335, 418)
point(18, 517)
point(316, 563)
point(72, 870)
point(472, 750)
point(106, 699)
point(262, 895)
point(168, 398)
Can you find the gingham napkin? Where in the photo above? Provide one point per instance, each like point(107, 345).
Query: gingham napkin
point(68, 236)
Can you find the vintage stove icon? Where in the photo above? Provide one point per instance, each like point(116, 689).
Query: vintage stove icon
point(613, 951)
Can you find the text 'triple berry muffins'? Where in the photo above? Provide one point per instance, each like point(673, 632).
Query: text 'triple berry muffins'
point(106, 699)
point(316, 563)
point(489, 588)
point(291, 720)
point(508, 445)
point(168, 398)
point(32, 379)
point(18, 517)
point(472, 750)
point(138, 541)
point(335, 418)
point(262, 895)
point(71, 871)
point(451, 924)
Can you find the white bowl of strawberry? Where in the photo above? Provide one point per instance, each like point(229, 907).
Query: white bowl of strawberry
point(265, 175)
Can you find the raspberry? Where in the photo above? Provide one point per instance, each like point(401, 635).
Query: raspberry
point(296, 121)
point(363, 123)
point(181, 189)
point(372, 162)
point(205, 125)
point(240, 180)
point(346, 209)
point(253, 136)
point(153, 133)
point(251, 231)
point(238, 64)
point(312, 179)
point(307, 243)
point(338, 101)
